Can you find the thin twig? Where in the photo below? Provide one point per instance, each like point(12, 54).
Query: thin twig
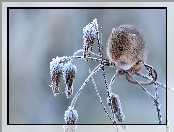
point(111, 82)
point(101, 102)
point(78, 51)
point(152, 73)
point(94, 54)
point(108, 91)
point(144, 89)
point(105, 81)
point(155, 100)
point(149, 79)
point(101, 46)
point(83, 85)
point(158, 105)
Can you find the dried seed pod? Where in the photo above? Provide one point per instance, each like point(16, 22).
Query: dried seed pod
point(90, 33)
point(69, 72)
point(56, 73)
point(115, 106)
point(70, 116)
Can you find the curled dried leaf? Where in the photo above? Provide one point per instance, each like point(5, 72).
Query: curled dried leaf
point(115, 106)
point(56, 73)
point(69, 72)
point(90, 33)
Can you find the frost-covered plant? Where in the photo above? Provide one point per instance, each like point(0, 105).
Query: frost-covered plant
point(70, 116)
point(68, 71)
point(56, 73)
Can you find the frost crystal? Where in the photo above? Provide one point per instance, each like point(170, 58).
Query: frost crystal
point(70, 116)
point(69, 72)
point(115, 106)
point(90, 33)
point(56, 73)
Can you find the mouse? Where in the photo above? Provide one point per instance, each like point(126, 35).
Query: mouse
point(126, 47)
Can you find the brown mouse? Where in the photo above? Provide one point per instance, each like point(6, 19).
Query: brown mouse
point(126, 47)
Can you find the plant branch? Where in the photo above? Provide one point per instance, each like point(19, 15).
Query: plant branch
point(101, 102)
point(83, 85)
point(155, 99)
point(149, 79)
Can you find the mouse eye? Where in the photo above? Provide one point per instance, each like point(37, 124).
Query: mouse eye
point(121, 48)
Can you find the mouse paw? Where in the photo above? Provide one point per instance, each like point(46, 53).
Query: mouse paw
point(119, 72)
point(131, 71)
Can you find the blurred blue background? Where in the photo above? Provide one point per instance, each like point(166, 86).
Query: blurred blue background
point(38, 35)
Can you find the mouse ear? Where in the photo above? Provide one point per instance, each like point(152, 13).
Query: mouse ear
point(113, 30)
point(133, 37)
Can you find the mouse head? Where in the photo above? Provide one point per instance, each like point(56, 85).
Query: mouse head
point(126, 46)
